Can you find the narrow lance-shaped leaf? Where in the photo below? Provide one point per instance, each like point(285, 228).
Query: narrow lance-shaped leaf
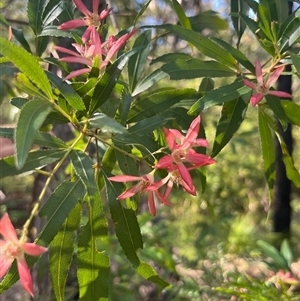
point(232, 115)
point(35, 10)
point(292, 111)
point(268, 150)
point(238, 6)
point(103, 122)
point(93, 260)
point(291, 171)
point(27, 64)
point(195, 68)
point(108, 80)
point(31, 118)
point(219, 96)
point(62, 251)
point(59, 205)
point(136, 62)
point(126, 224)
point(149, 81)
point(202, 43)
point(183, 19)
point(274, 254)
point(147, 272)
point(156, 102)
point(84, 169)
point(41, 138)
point(35, 160)
point(68, 92)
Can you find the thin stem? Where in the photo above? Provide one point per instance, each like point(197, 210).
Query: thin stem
point(43, 192)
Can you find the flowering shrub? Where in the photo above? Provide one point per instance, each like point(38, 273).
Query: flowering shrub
point(140, 133)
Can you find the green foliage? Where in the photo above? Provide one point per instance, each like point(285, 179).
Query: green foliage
point(131, 122)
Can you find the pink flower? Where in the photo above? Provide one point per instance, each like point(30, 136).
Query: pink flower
point(87, 52)
point(12, 248)
point(145, 185)
point(182, 151)
point(91, 19)
point(263, 88)
point(174, 177)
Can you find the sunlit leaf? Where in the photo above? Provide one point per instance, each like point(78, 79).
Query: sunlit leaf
point(156, 102)
point(292, 111)
point(35, 160)
point(136, 62)
point(105, 123)
point(195, 68)
point(41, 138)
point(67, 91)
point(219, 96)
point(83, 167)
point(31, 118)
point(62, 251)
point(232, 115)
point(125, 221)
point(268, 150)
point(27, 64)
point(93, 263)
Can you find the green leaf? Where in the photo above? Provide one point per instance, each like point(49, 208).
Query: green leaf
point(203, 44)
point(126, 225)
point(67, 91)
point(238, 6)
point(27, 64)
point(147, 125)
point(195, 68)
point(26, 86)
point(36, 159)
point(237, 54)
point(61, 253)
point(83, 167)
point(140, 13)
point(41, 138)
point(282, 10)
point(296, 61)
point(292, 111)
point(275, 105)
point(207, 84)
point(51, 30)
point(291, 171)
point(290, 35)
point(136, 62)
point(183, 19)
point(171, 57)
point(156, 102)
point(273, 253)
point(52, 11)
point(103, 122)
point(219, 96)
point(268, 150)
point(149, 81)
point(93, 263)
point(208, 20)
point(35, 10)
point(31, 118)
point(128, 165)
point(264, 16)
point(232, 115)
point(59, 205)
point(286, 252)
point(147, 272)
point(108, 80)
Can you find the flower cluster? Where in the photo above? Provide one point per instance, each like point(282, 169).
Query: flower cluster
point(182, 159)
point(92, 47)
point(263, 88)
point(12, 248)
